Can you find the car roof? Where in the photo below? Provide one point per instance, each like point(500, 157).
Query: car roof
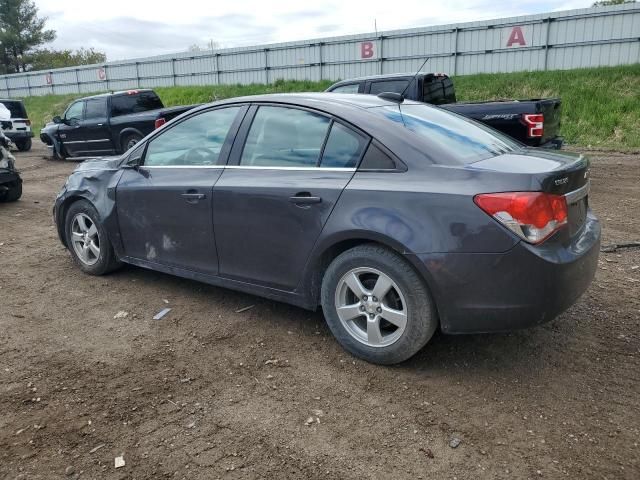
point(320, 100)
point(118, 93)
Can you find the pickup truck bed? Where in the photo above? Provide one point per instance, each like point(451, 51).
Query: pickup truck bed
point(535, 122)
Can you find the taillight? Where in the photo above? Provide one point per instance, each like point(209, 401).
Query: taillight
point(533, 216)
point(27, 122)
point(159, 122)
point(534, 123)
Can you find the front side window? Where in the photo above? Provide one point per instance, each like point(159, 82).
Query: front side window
point(196, 141)
point(285, 137)
point(351, 88)
point(96, 108)
point(74, 111)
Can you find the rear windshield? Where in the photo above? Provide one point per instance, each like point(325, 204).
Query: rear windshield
point(134, 103)
point(16, 108)
point(464, 139)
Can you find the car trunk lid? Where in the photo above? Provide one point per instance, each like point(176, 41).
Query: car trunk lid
point(564, 174)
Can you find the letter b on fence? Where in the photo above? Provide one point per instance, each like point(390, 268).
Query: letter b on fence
point(367, 50)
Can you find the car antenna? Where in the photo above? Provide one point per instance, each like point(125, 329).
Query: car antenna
point(399, 97)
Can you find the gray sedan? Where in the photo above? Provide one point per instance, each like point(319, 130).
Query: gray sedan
point(397, 218)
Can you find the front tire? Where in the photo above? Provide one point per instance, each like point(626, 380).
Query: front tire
point(13, 194)
point(87, 240)
point(376, 305)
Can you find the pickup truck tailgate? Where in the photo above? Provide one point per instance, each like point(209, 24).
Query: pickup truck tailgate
point(551, 109)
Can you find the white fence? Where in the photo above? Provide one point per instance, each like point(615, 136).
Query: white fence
point(587, 37)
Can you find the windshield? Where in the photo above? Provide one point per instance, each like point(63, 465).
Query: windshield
point(467, 140)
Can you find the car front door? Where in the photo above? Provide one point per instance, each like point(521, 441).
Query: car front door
point(164, 205)
point(70, 131)
point(287, 170)
point(95, 127)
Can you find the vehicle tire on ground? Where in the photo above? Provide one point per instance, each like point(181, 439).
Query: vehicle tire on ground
point(129, 140)
point(13, 194)
point(24, 145)
point(87, 240)
point(376, 305)
point(58, 155)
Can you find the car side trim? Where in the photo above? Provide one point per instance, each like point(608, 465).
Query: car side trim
point(310, 169)
point(181, 166)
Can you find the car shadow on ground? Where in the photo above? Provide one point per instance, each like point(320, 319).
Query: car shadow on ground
point(531, 350)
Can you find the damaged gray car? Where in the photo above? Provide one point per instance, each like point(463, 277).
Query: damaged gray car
point(397, 218)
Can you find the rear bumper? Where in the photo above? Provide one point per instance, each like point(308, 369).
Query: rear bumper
point(525, 286)
point(21, 135)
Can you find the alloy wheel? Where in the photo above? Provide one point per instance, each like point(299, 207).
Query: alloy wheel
point(85, 239)
point(371, 307)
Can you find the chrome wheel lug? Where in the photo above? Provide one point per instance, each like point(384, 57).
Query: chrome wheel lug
point(374, 299)
point(371, 316)
point(364, 298)
point(379, 309)
point(362, 308)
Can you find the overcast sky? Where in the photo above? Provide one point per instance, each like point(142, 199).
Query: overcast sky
point(139, 28)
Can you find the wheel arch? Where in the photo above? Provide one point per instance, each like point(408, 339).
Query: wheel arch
point(331, 247)
point(126, 132)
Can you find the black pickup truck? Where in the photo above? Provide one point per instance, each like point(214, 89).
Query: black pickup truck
point(107, 124)
point(535, 122)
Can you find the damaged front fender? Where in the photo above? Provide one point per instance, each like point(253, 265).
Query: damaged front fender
point(94, 181)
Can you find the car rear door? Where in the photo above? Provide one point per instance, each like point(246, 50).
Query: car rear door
point(287, 170)
point(165, 205)
point(95, 127)
point(70, 132)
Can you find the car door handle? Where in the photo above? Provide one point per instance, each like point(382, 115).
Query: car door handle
point(192, 197)
point(304, 198)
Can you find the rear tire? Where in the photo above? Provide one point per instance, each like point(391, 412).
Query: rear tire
point(129, 141)
point(24, 145)
point(87, 240)
point(384, 330)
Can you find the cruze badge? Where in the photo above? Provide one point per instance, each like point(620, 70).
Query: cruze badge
point(562, 181)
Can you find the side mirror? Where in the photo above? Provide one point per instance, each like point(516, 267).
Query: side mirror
point(57, 119)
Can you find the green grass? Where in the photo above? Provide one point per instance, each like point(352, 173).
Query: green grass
point(600, 106)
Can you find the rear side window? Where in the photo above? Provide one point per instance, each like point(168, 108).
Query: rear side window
point(344, 147)
point(438, 90)
point(377, 159)
point(351, 88)
point(96, 108)
point(134, 103)
point(395, 86)
point(284, 137)
point(16, 109)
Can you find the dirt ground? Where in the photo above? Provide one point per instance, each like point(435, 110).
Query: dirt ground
point(208, 392)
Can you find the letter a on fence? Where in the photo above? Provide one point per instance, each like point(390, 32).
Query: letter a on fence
point(516, 37)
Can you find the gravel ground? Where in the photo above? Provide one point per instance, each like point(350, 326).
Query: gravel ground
point(208, 392)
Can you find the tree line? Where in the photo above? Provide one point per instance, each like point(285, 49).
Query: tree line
point(23, 34)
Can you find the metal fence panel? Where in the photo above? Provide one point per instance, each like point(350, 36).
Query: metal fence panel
point(586, 37)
